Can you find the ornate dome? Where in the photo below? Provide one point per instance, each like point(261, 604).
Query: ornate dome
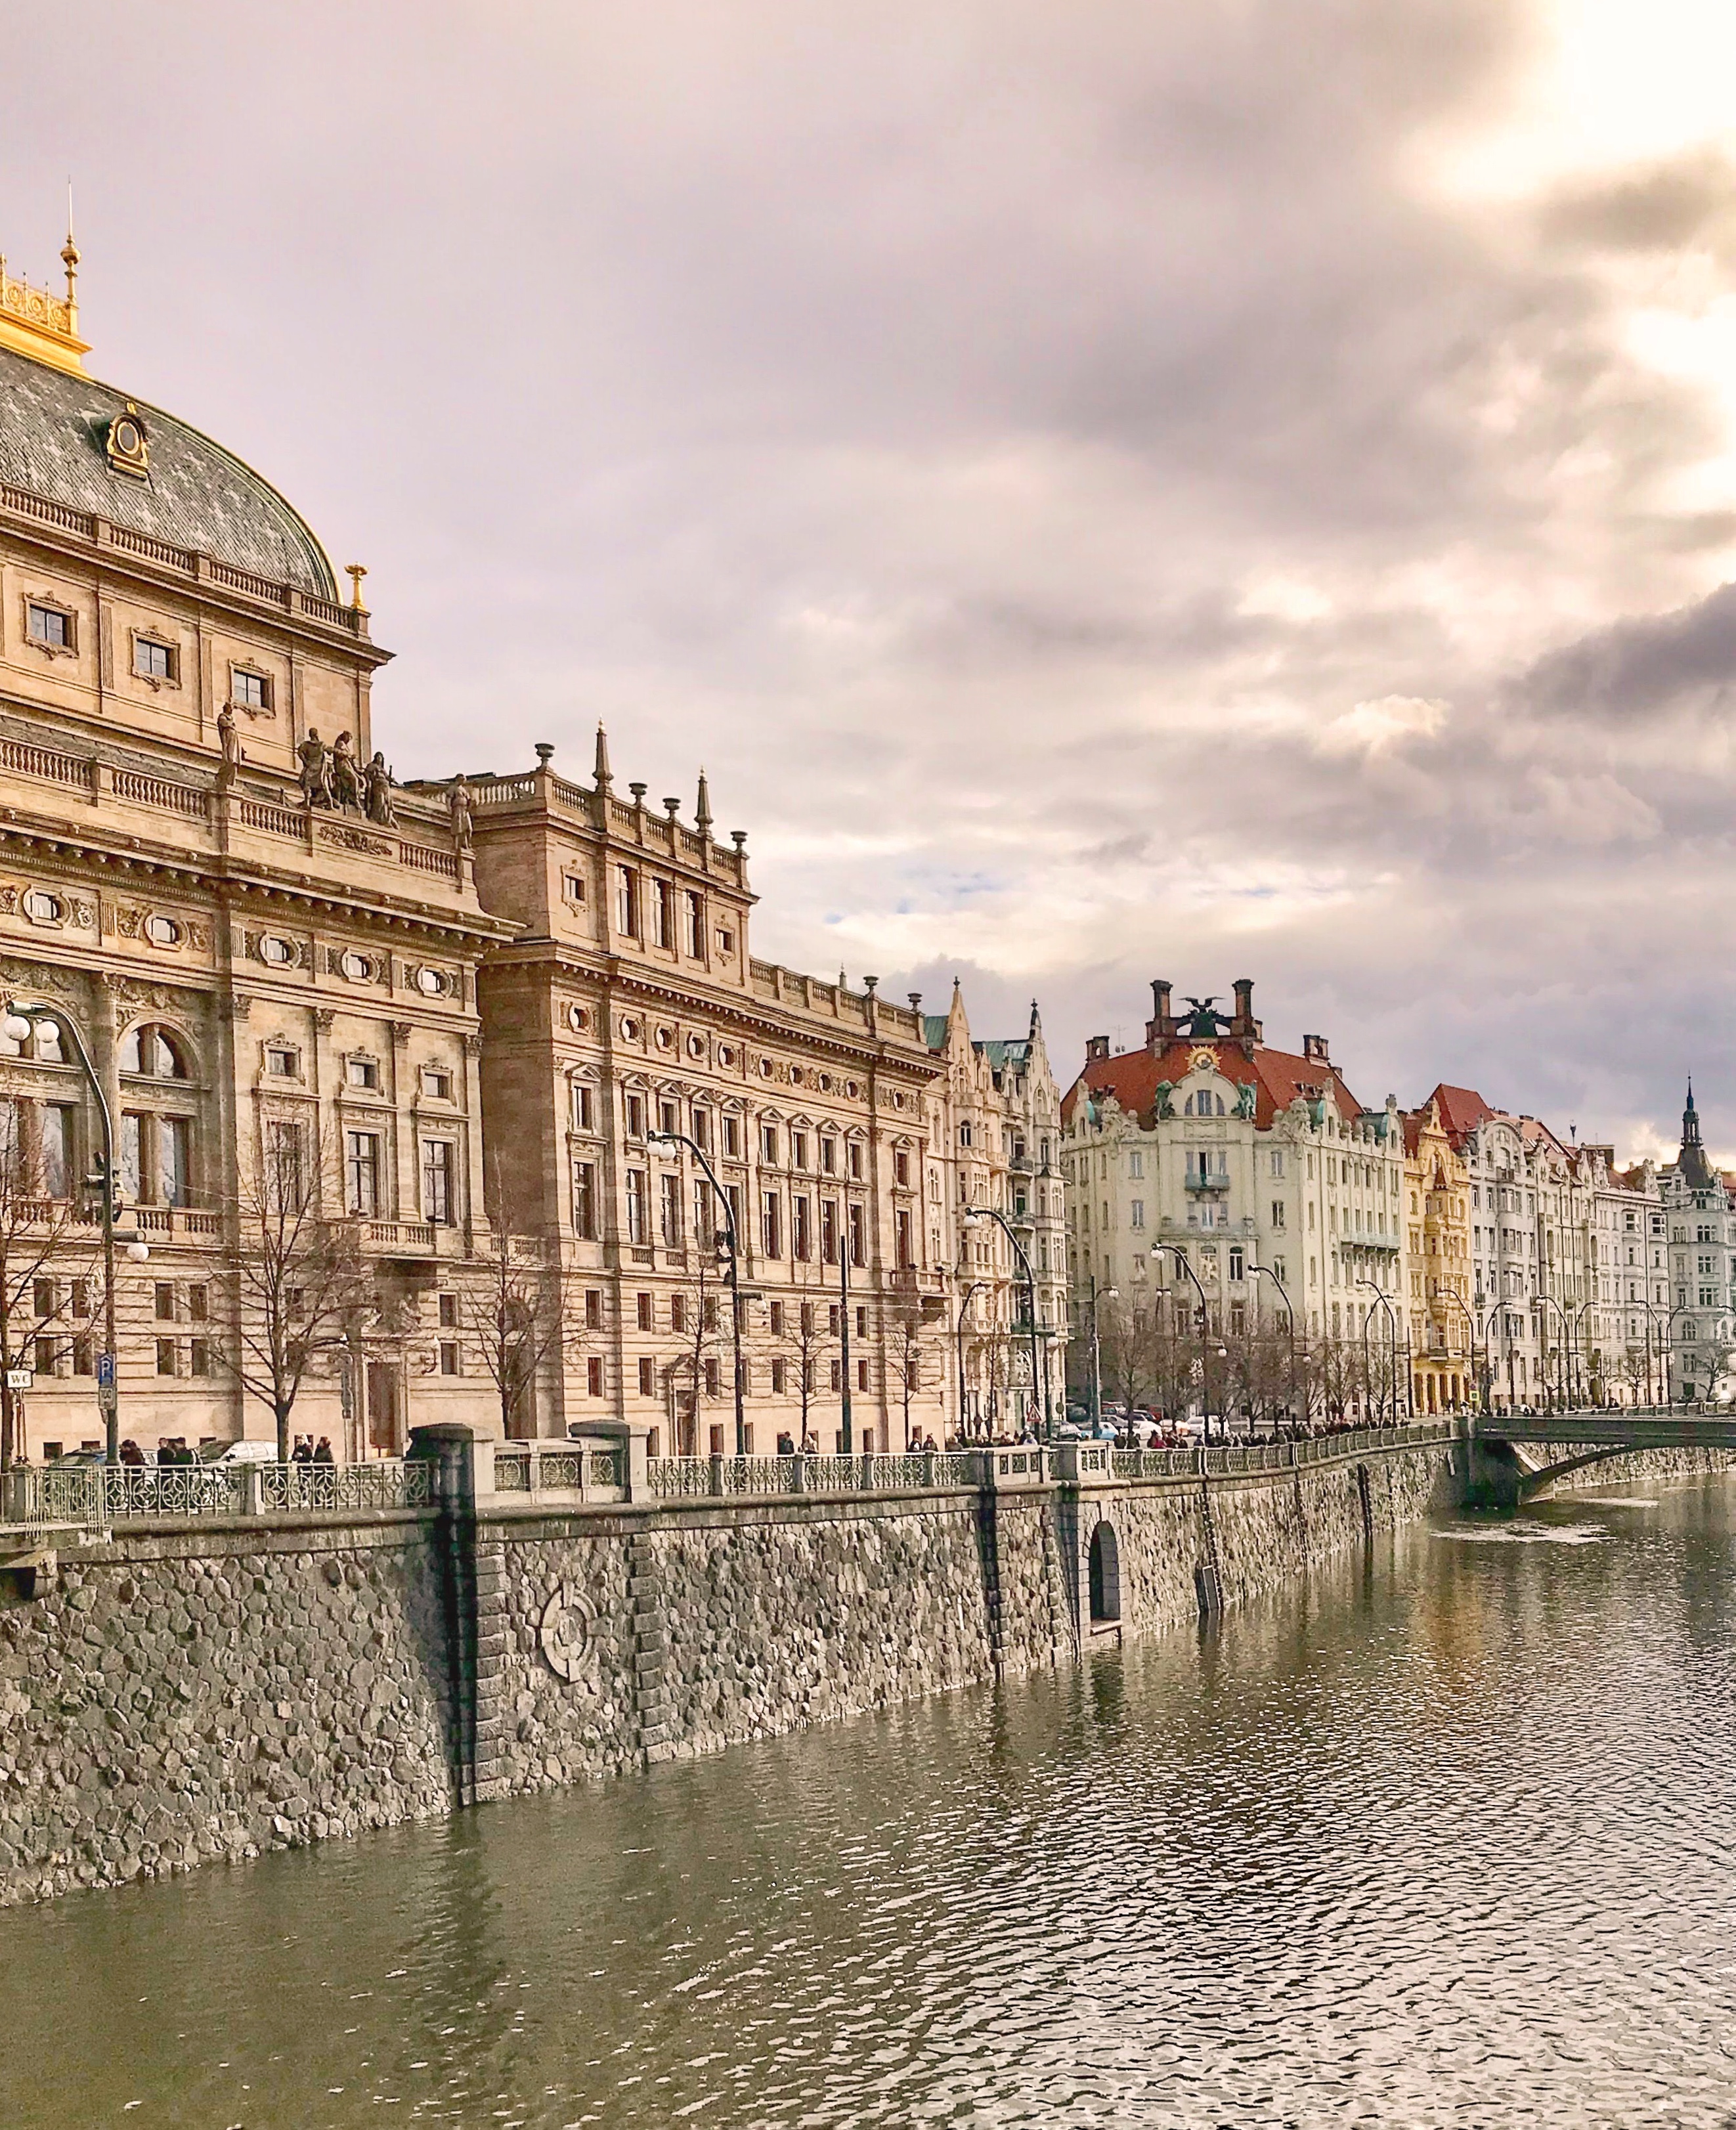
point(56, 439)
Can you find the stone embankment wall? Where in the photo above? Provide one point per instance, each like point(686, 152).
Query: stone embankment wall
point(189, 1693)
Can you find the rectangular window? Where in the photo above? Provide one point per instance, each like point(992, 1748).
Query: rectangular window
point(594, 1375)
point(708, 1313)
point(702, 1130)
point(669, 1119)
point(644, 1306)
point(57, 1150)
point(905, 1260)
point(198, 1302)
point(801, 1229)
point(670, 1213)
point(283, 1161)
point(172, 1160)
point(861, 1375)
point(636, 1228)
point(768, 1144)
point(857, 1236)
point(46, 1358)
point(828, 1231)
point(80, 1306)
point(83, 1355)
point(44, 1301)
point(626, 902)
point(901, 1168)
point(585, 1200)
point(856, 1159)
point(572, 886)
point(593, 1309)
point(152, 661)
point(829, 1157)
point(449, 1356)
point(771, 1230)
point(1280, 1270)
point(731, 1138)
point(774, 1319)
point(1135, 1213)
point(436, 1182)
point(648, 1376)
point(678, 1312)
point(583, 1112)
point(636, 1117)
point(778, 1378)
point(837, 1374)
point(448, 1311)
point(361, 1173)
point(834, 1319)
point(696, 926)
point(283, 1064)
point(198, 1357)
point(436, 1086)
point(163, 1300)
point(1238, 1270)
point(362, 1072)
point(249, 691)
point(713, 1379)
point(166, 1357)
point(50, 625)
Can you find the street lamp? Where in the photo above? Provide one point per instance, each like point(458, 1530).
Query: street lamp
point(973, 1214)
point(25, 1017)
point(1108, 1294)
point(1265, 1271)
point(1450, 1294)
point(731, 1241)
point(964, 1310)
point(1379, 1295)
point(1180, 1256)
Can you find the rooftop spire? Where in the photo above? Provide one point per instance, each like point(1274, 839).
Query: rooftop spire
point(702, 812)
point(603, 777)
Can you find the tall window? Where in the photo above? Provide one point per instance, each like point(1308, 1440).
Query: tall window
point(731, 1137)
point(284, 1159)
point(626, 902)
point(772, 1236)
point(636, 1223)
point(665, 914)
point(904, 1258)
point(361, 1172)
point(436, 1182)
point(828, 1231)
point(670, 1213)
point(585, 1200)
point(801, 1229)
point(857, 1236)
point(173, 1177)
point(57, 1150)
point(50, 625)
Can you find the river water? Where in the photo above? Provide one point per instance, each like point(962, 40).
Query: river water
point(1445, 1840)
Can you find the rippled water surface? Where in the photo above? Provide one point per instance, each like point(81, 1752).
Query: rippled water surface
point(1445, 1841)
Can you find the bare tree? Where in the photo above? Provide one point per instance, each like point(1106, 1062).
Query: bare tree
point(42, 1261)
point(1126, 1341)
point(518, 1310)
point(296, 1284)
point(807, 1335)
point(907, 1350)
point(699, 1317)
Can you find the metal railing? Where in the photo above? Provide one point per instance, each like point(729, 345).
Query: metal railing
point(92, 1495)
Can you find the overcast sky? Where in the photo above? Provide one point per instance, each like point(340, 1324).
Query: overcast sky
point(1108, 491)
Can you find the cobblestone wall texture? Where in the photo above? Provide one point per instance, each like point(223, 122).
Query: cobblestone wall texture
point(189, 1699)
point(176, 1698)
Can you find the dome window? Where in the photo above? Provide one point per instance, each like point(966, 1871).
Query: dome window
point(129, 444)
point(162, 932)
point(42, 908)
point(357, 968)
point(276, 951)
point(431, 983)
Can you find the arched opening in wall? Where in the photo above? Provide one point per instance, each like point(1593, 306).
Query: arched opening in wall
point(1105, 1576)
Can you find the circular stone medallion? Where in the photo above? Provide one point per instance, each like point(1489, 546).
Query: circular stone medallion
point(564, 1630)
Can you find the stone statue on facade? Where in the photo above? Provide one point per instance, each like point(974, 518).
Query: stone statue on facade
point(231, 744)
point(1246, 1095)
point(1165, 1106)
point(346, 790)
point(458, 803)
point(1204, 1021)
point(378, 780)
point(316, 760)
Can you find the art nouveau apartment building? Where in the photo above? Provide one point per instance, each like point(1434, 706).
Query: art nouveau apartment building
point(1208, 1150)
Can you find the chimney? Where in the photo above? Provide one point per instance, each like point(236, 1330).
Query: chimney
point(1313, 1049)
point(1161, 1025)
point(1096, 1049)
point(1244, 1025)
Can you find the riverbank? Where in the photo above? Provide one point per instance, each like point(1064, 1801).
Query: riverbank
point(186, 1693)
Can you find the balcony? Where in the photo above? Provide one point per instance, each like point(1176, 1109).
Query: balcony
point(1205, 1186)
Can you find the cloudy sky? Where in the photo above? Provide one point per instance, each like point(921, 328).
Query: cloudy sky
point(1240, 488)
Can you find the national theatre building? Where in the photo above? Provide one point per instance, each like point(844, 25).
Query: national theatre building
point(501, 1016)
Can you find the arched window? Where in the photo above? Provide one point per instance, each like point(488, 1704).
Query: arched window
point(1104, 1576)
point(154, 1052)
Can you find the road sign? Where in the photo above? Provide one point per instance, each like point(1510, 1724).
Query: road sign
point(20, 1379)
point(107, 1401)
point(105, 1371)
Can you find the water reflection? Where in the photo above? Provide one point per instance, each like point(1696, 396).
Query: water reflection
point(1446, 1841)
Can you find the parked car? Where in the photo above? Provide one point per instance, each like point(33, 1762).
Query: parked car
point(248, 1451)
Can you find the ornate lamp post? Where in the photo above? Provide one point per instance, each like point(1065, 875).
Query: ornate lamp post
point(23, 1019)
point(1180, 1257)
point(1039, 1373)
point(1265, 1271)
point(964, 1310)
point(732, 1242)
point(1392, 1322)
point(1108, 1294)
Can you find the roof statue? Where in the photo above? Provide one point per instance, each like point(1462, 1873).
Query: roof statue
point(1204, 1021)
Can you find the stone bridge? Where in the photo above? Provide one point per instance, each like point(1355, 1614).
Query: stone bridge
point(1516, 1456)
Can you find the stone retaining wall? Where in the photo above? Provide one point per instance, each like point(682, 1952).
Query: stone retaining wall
point(189, 1693)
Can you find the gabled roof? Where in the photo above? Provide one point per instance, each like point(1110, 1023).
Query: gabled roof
point(1462, 1110)
point(1278, 1077)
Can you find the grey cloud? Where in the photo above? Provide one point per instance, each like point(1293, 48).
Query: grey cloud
point(1638, 666)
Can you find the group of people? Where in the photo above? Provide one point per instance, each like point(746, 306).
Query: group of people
point(308, 1451)
point(171, 1449)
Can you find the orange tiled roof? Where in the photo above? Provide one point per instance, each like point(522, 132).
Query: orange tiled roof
point(1278, 1077)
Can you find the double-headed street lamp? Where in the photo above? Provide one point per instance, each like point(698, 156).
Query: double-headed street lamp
point(1457, 1300)
point(964, 1310)
point(1380, 1296)
point(1265, 1271)
point(1039, 1354)
point(1567, 1350)
point(25, 1017)
point(1180, 1256)
point(1108, 1294)
point(731, 1241)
